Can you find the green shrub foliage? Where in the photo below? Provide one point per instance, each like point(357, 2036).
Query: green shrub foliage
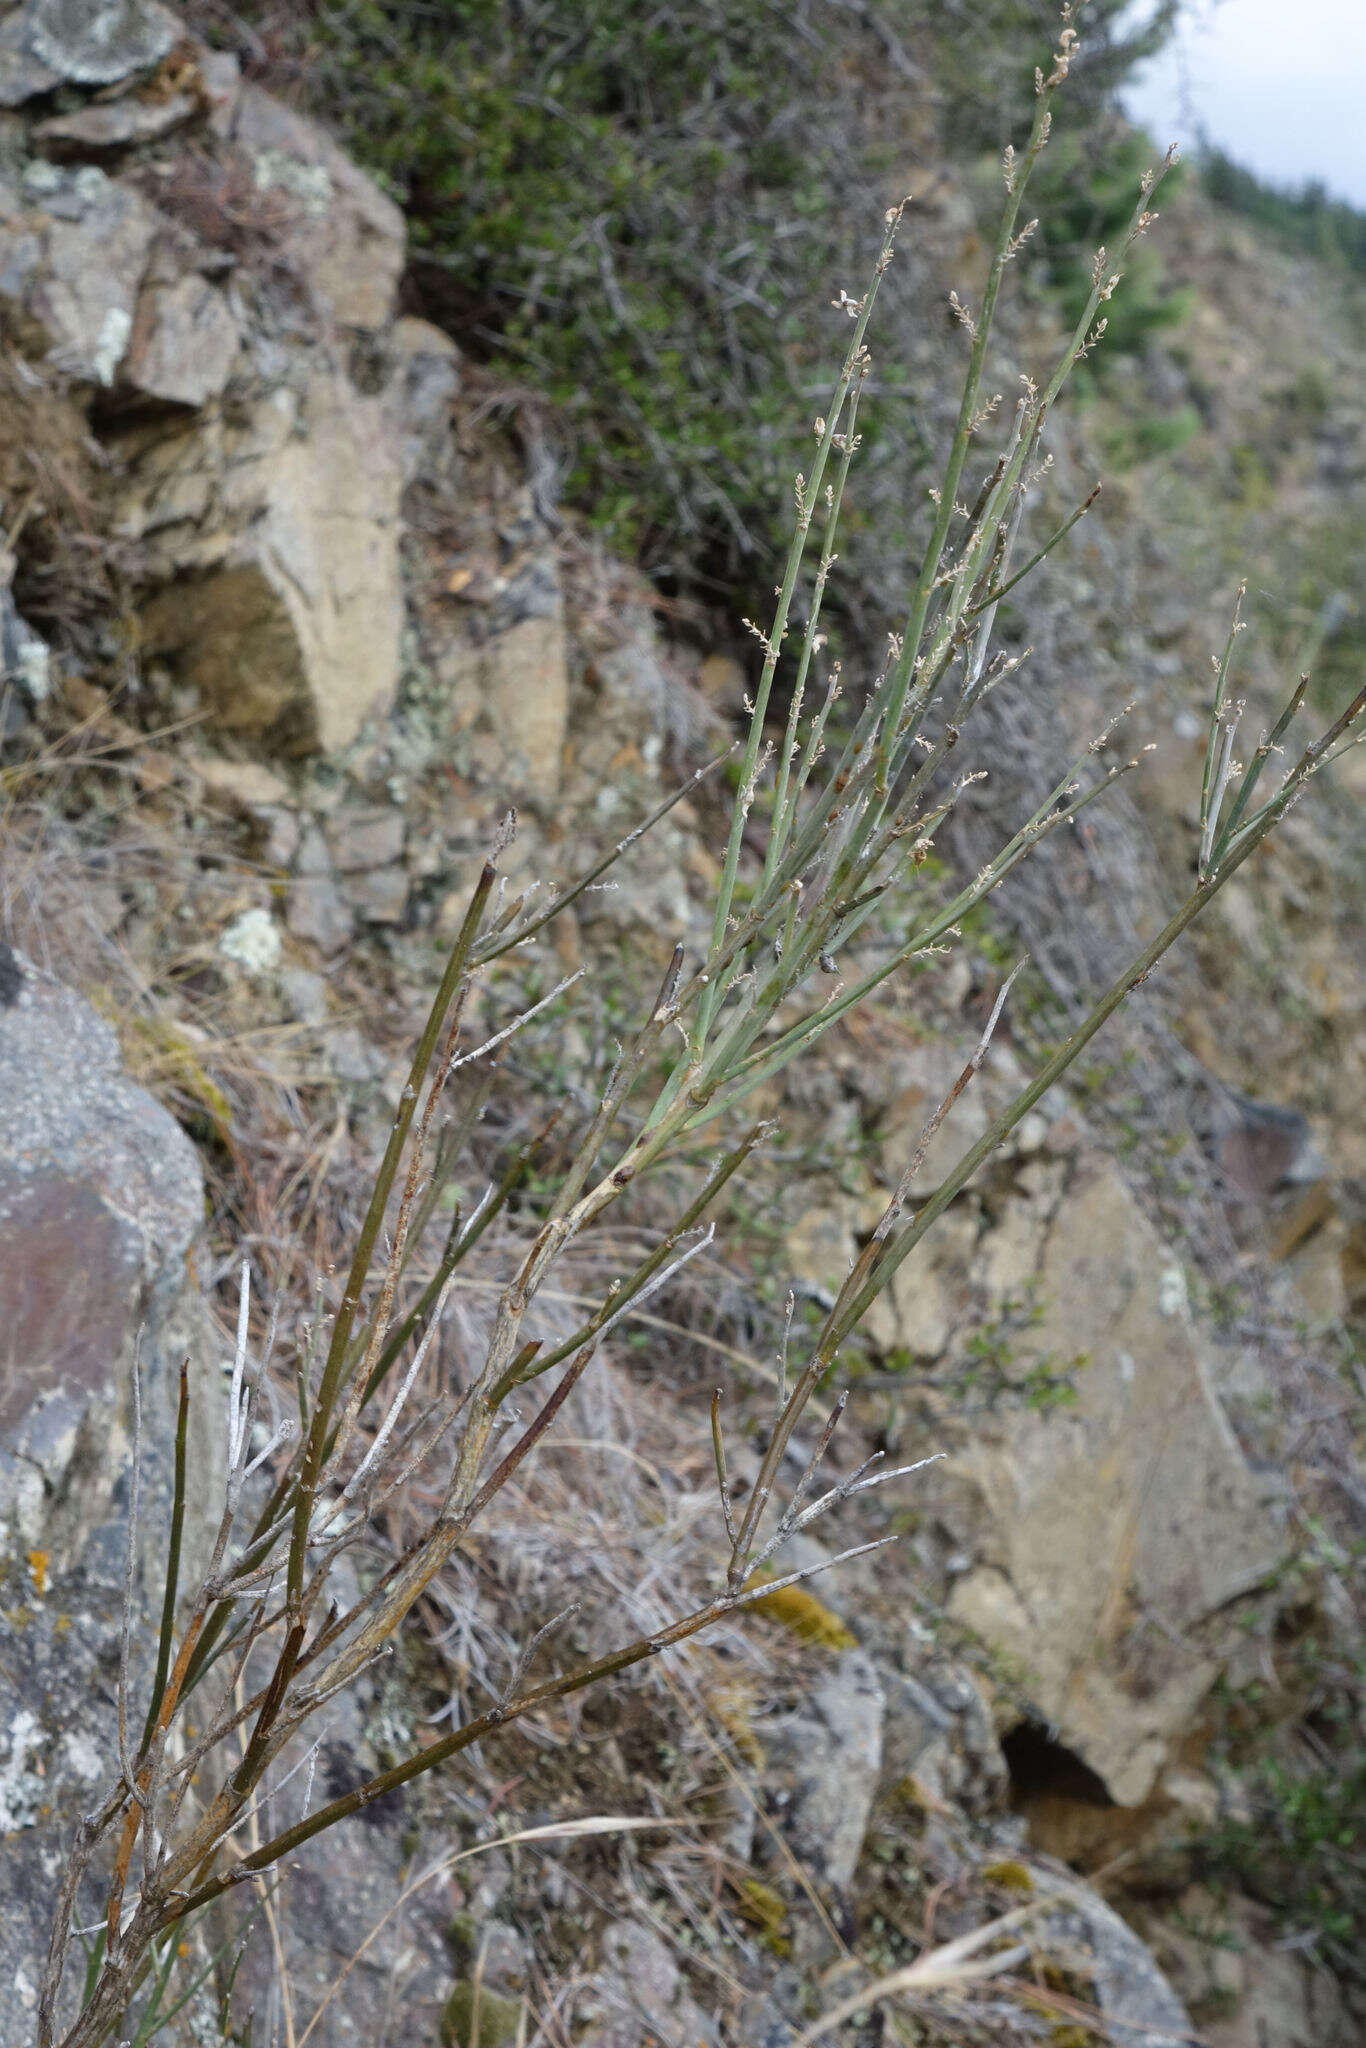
point(630, 209)
point(1083, 200)
point(635, 211)
point(1305, 216)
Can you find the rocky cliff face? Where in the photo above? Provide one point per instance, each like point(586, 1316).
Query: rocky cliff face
point(256, 478)
point(321, 616)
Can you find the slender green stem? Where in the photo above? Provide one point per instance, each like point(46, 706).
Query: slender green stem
point(902, 672)
point(1212, 748)
point(784, 800)
point(334, 1367)
point(172, 1584)
point(998, 591)
point(1259, 759)
point(773, 646)
point(484, 954)
point(461, 1243)
point(630, 1288)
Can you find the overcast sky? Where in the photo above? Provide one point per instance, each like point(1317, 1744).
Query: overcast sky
point(1280, 86)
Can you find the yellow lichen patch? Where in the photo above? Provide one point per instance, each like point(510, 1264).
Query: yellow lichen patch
point(1055, 1976)
point(917, 1798)
point(766, 1910)
point(733, 1707)
point(40, 1564)
point(173, 1057)
point(1010, 1876)
point(160, 1053)
point(792, 1607)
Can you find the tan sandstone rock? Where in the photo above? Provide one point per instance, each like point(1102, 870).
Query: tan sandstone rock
point(1112, 1534)
point(271, 542)
point(510, 702)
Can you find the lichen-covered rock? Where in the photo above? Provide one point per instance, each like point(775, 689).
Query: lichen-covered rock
point(74, 247)
point(340, 234)
point(98, 42)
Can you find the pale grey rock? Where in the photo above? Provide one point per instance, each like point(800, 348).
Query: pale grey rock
point(1127, 1985)
point(914, 1724)
point(380, 895)
point(25, 658)
point(766, 2026)
point(306, 994)
point(245, 787)
point(316, 910)
point(968, 1766)
point(352, 1057)
point(22, 74)
point(423, 387)
point(826, 1760)
point(930, 1296)
point(639, 1995)
point(184, 343)
point(361, 839)
point(939, 1737)
point(343, 1889)
point(509, 702)
point(221, 77)
point(313, 856)
point(279, 828)
point(106, 127)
